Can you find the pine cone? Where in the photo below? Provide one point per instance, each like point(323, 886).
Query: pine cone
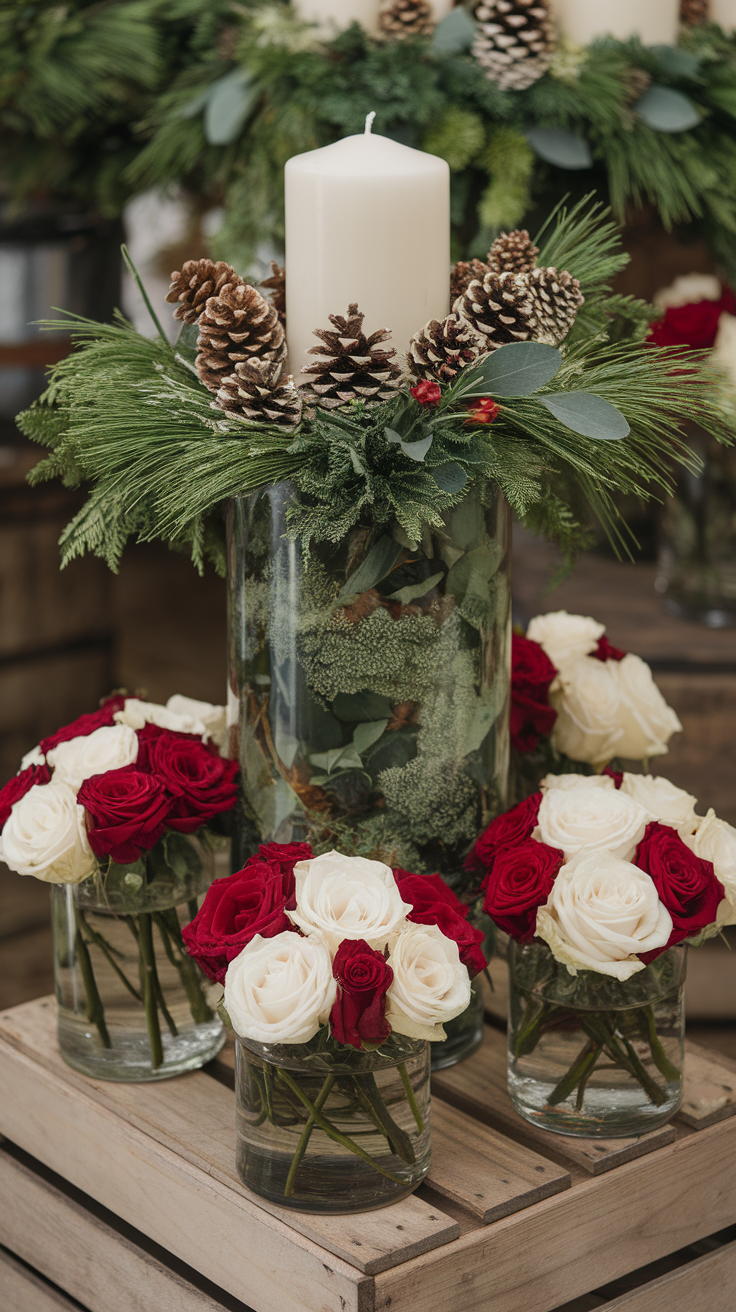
point(556, 299)
point(402, 18)
point(637, 82)
point(500, 307)
point(442, 348)
point(694, 11)
point(252, 392)
point(236, 325)
point(513, 252)
point(353, 367)
point(193, 285)
point(462, 274)
point(514, 41)
point(276, 284)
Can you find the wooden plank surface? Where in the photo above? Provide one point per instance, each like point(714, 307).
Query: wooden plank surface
point(485, 1172)
point(478, 1086)
point(85, 1256)
point(706, 1285)
point(710, 1088)
point(25, 1292)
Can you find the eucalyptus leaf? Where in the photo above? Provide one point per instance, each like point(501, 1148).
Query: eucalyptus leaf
point(568, 150)
point(286, 747)
point(677, 62)
point(361, 706)
point(181, 856)
point(230, 100)
point(414, 590)
point(590, 415)
point(415, 450)
point(327, 760)
point(516, 369)
point(666, 110)
point(450, 478)
point(365, 735)
point(379, 562)
point(455, 33)
point(186, 342)
point(196, 105)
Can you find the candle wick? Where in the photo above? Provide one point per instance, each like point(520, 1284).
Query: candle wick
point(369, 122)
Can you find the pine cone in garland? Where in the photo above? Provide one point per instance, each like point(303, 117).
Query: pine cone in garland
point(253, 393)
point(514, 41)
point(462, 274)
point(500, 307)
point(513, 252)
point(276, 284)
point(694, 11)
point(236, 325)
point(192, 286)
point(637, 81)
point(556, 299)
point(443, 347)
point(402, 18)
point(353, 367)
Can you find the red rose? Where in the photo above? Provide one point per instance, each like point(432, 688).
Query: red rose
point(363, 980)
point(426, 393)
point(483, 411)
point(511, 829)
point(151, 734)
point(616, 775)
point(433, 903)
point(686, 884)
point(532, 672)
point(605, 652)
point(694, 325)
point(519, 883)
point(18, 786)
point(200, 782)
point(127, 812)
point(235, 909)
point(85, 725)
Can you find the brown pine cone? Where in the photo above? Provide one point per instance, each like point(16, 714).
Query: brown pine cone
point(500, 307)
point(236, 325)
point(513, 252)
point(402, 18)
point(353, 367)
point(193, 285)
point(514, 41)
point(443, 347)
point(556, 299)
point(462, 274)
point(276, 284)
point(637, 82)
point(694, 11)
point(252, 392)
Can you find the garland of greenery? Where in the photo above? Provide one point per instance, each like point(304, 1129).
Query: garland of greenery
point(129, 416)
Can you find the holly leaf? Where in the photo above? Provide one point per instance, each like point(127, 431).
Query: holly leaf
point(516, 369)
point(587, 414)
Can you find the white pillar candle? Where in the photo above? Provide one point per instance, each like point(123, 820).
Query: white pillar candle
point(723, 12)
point(656, 22)
point(339, 13)
point(367, 220)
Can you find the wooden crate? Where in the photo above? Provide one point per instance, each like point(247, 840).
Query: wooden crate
point(124, 1198)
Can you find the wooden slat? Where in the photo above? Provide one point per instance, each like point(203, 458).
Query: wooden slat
point(710, 1088)
point(596, 1232)
point(478, 1086)
point(485, 1172)
point(84, 1255)
point(705, 1285)
point(194, 1116)
point(25, 1292)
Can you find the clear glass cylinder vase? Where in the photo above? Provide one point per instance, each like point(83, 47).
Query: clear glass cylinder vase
point(326, 1128)
point(590, 1055)
point(131, 1004)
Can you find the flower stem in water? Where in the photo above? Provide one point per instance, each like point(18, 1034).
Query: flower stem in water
point(95, 1009)
point(306, 1134)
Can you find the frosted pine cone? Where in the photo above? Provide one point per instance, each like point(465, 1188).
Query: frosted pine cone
point(513, 252)
point(514, 41)
point(400, 18)
point(694, 11)
point(500, 307)
point(353, 367)
point(556, 299)
point(276, 285)
point(462, 274)
point(192, 286)
point(443, 347)
point(253, 393)
point(237, 325)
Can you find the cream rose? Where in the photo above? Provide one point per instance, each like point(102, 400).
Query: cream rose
point(647, 722)
point(280, 989)
point(715, 840)
point(212, 717)
point(109, 748)
point(565, 638)
point(564, 782)
point(430, 986)
point(348, 897)
point(587, 702)
point(590, 818)
point(34, 757)
point(136, 713)
point(45, 836)
point(661, 800)
point(600, 914)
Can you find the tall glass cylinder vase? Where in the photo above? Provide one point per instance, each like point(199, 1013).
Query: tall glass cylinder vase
point(132, 1005)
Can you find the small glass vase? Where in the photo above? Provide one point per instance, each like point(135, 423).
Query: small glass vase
point(464, 1034)
point(590, 1055)
point(326, 1128)
point(132, 1005)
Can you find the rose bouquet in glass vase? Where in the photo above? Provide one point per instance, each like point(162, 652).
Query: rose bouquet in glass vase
point(338, 974)
point(601, 883)
point(122, 812)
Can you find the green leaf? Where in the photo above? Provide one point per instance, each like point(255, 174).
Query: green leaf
point(454, 34)
point(362, 706)
point(666, 110)
point(195, 106)
point(414, 590)
point(365, 735)
point(451, 478)
point(590, 415)
point(676, 62)
point(568, 150)
point(379, 562)
point(345, 757)
point(230, 100)
point(415, 450)
point(286, 747)
point(186, 342)
point(516, 369)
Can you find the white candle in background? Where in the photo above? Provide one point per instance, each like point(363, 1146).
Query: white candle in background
point(723, 12)
point(367, 220)
point(656, 22)
point(441, 8)
point(339, 13)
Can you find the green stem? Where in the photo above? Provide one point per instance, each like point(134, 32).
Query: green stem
point(528, 1036)
point(332, 1132)
point(660, 1058)
point(137, 279)
point(95, 1009)
point(106, 949)
point(403, 1146)
point(582, 1066)
point(189, 973)
point(580, 1097)
point(410, 1097)
point(147, 967)
point(306, 1135)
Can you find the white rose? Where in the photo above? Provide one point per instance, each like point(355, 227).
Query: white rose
point(587, 701)
point(588, 818)
point(212, 717)
point(109, 748)
point(724, 349)
point(136, 713)
point(601, 913)
point(646, 721)
point(565, 638)
point(34, 757)
point(430, 986)
point(565, 782)
point(280, 989)
point(661, 800)
point(348, 897)
point(715, 840)
point(45, 836)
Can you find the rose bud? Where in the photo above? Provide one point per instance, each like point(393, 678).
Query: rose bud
point(426, 393)
point(363, 980)
point(483, 411)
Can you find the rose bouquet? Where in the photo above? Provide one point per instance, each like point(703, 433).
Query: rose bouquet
point(598, 881)
point(337, 973)
point(121, 812)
